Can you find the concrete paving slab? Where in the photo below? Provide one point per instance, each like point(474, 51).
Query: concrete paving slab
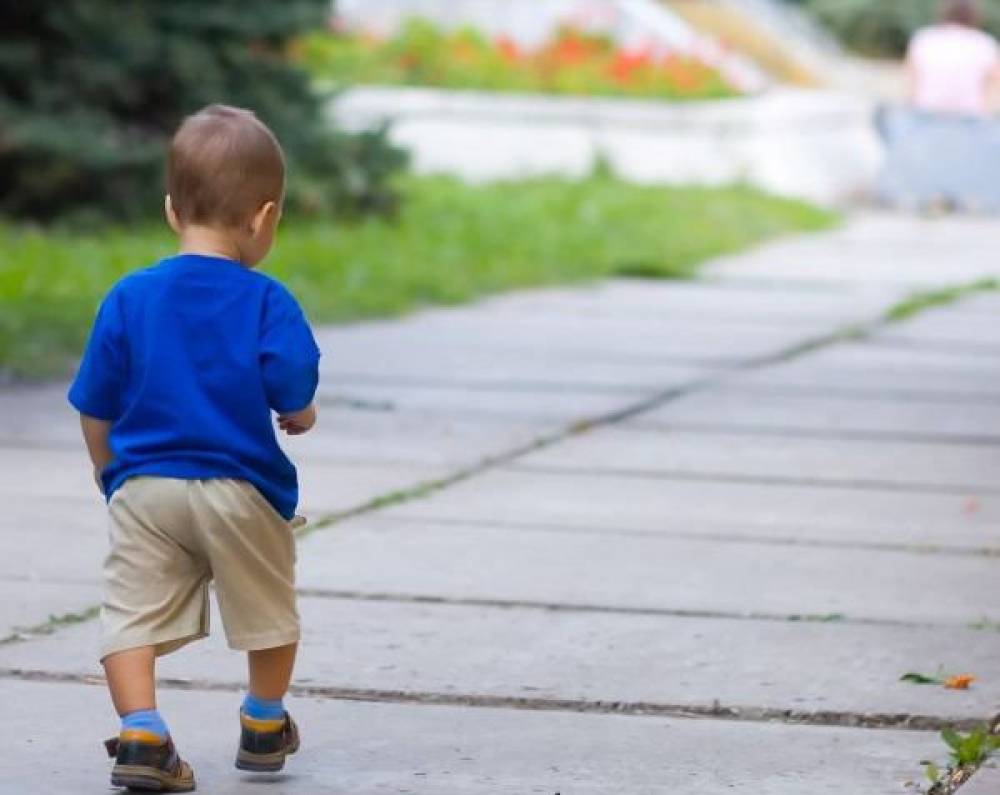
point(697, 300)
point(735, 410)
point(34, 474)
point(378, 434)
point(435, 339)
point(639, 306)
point(515, 351)
point(30, 474)
point(327, 488)
point(593, 657)
point(377, 422)
point(894, 380)
point(986, 781)
point(36, 415)
point(459, 366)
point(609, 503)
point(988, 354)
point(875, 249)
point(948, 467)
point(982, 303)
point(361, 749)
point(693, 334)
point(25, 604)
point(395, 438)
point(951, 325)
point(486, 404)
point(462, 367)
point(363, 413)
point(631, 658)
point(364, 416)
point(54, 538)
point(863, 366)
point(576, 568)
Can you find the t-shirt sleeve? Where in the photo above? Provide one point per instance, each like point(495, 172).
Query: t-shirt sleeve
point(289, 355)
point(96, 391)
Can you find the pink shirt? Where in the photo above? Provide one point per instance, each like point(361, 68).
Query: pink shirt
point(951, 66)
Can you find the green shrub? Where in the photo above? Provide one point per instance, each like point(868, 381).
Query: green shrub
point(90, 90)
point(883, 27)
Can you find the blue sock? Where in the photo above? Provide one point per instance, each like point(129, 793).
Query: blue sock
point(262, 708)
point(147, 720)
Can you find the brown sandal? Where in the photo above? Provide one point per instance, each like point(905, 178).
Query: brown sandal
point(264, 744)
point(146, 763)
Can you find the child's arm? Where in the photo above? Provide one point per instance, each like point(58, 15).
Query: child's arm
point(95, 436)
point(298, 422)
point(97, 389)
point(289, 363)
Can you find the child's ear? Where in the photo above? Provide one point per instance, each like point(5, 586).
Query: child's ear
point(266, 217)
point(171, 214)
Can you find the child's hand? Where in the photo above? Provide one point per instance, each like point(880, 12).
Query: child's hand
point(97, 478)
point(298, 423)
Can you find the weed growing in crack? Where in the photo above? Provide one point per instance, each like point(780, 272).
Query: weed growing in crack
point(919, 302)
point(966, 753)
point(54, 623)
point(973, 748)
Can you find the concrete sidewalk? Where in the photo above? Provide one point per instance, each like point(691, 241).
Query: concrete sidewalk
point(623, 538)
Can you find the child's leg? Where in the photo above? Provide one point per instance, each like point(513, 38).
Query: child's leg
point(267, 732)
point(144, 753)
point(131, 679)
point(155, 594)
point(251, 549)
point(271, 671)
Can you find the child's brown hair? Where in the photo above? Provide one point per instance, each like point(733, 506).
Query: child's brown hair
point(224, 164)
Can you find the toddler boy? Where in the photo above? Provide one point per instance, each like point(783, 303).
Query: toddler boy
point(186, 361)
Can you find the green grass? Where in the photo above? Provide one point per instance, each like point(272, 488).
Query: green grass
point(922, 301)
point(451, 243)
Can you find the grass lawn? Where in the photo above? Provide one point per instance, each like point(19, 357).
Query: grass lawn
point(451, 243)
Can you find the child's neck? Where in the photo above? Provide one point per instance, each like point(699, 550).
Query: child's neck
point(208, 242)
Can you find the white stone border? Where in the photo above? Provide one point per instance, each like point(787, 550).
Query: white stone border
point(811, 144)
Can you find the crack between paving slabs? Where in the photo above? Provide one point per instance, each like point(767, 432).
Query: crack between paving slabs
point(913, 487)
point(716, 710)
point(805, 432)
point(49, 627)
point(562, 607)
point(712, 537)
point(863, 394)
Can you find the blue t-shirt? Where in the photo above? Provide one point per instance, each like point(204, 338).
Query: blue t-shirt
point(187, 360)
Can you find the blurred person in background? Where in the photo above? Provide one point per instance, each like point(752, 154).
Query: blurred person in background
point(943, 149)
point(953, 67)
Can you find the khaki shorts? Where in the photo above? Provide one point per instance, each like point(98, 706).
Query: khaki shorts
point(169, 539)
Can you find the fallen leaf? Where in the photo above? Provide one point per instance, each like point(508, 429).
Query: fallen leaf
point(920, 679)
point(959, 682)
